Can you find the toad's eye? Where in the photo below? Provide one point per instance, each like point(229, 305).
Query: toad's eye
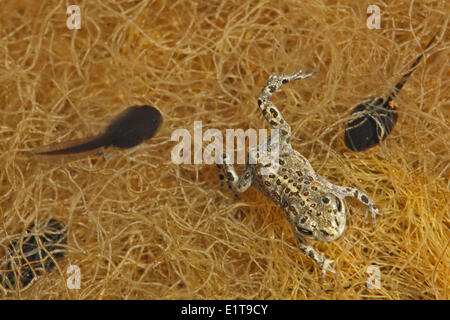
point(326, 234)
point(339, 204)
point(304, 231)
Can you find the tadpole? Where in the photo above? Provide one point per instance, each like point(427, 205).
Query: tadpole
point(376, 117)
point(128, 129)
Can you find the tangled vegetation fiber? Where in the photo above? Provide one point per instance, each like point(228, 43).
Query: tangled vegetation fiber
point(140, 226)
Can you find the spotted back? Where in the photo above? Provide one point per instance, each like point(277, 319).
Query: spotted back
point(313, 209)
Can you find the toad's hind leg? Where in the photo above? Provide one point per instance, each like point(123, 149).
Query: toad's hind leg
point(269, 111)
point(228, 175)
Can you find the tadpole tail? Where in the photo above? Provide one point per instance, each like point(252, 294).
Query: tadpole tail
point(73, 147)
point(405, 77)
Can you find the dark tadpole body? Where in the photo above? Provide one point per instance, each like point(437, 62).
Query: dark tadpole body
point(33, 254)
point(133, 126)
point(377, 116)
point(130, 128)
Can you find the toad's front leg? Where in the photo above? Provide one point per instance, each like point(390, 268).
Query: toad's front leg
point(319, 258)
point(363, 197)
point(228, 175)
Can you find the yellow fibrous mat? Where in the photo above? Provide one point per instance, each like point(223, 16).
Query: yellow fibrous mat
point(140, 226)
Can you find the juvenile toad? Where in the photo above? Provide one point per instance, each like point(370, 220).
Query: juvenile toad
point(314, 206)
